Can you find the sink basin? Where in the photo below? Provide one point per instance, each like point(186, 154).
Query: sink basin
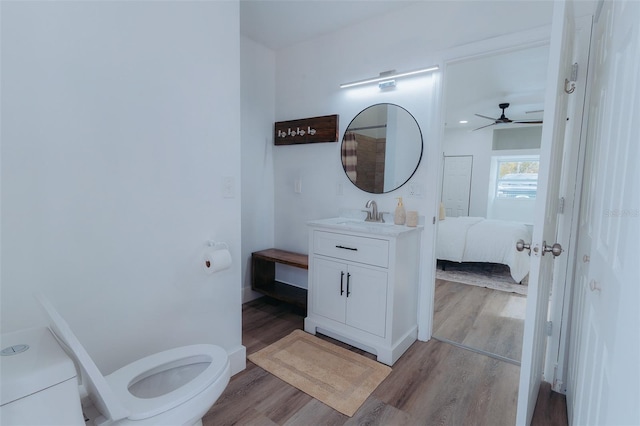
point(362, 223)
point(349, 224)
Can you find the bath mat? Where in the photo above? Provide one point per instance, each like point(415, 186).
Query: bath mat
point(489, 275)
point(333, 375)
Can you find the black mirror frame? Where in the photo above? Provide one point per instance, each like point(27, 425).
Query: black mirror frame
point(417, 163)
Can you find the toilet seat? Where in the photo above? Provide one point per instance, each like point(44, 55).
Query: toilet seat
point(111, 394)
point(142, 408)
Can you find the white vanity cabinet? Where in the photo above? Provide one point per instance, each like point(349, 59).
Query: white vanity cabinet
point(351, 295)
point(363, 285)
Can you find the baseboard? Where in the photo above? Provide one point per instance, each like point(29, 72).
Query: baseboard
point(238, 359)
point(403, 344)
point(248, 295)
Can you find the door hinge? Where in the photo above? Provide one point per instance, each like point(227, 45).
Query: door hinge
point(549, 328)
point(556, 384)
point(570, 84)
point(434, 220)
point(561, 205)
point(574, 72)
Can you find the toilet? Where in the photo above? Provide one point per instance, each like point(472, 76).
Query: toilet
point(173, 387)
point(39, 384)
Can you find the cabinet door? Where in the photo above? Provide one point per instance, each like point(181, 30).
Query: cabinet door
point(329, 281)
point(367, 300)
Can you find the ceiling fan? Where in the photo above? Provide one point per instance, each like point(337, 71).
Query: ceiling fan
point(503, 119)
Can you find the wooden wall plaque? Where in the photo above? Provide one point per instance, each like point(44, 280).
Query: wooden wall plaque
point(306, 130)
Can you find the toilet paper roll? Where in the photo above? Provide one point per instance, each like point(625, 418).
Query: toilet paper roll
point(216, 261)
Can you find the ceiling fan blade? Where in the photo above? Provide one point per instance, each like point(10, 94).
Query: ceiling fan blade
point(492, 124)
point(528, 121)
point(488, 118)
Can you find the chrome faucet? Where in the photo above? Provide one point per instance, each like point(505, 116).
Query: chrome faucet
point(373, 215)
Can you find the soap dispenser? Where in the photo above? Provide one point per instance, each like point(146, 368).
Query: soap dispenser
point(400, 215)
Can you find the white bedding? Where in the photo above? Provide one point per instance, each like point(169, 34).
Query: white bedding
point(475, 239)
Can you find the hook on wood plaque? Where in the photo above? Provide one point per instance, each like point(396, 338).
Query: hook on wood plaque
point(306, 130)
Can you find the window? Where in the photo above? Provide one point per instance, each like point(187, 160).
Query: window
point(517, 177)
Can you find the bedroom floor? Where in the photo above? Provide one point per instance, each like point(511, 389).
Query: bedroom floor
point(483, 319)
point(432, 383)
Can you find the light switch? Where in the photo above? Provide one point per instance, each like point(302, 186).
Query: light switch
point(415, 190)
point(228, 187)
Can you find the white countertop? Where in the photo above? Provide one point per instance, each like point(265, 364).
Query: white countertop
point(355, 225)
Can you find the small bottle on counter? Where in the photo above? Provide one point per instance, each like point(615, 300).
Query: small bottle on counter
point(400, 215)
point(412, 218)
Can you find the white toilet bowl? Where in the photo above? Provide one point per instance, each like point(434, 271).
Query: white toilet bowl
point(174, 387)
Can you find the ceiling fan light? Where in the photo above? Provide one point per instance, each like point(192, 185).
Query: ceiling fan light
point(503, 119)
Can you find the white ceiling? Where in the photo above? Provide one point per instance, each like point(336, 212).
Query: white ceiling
point(277, 24)
point(479, 85)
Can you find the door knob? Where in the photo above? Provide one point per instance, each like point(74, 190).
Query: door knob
point(555, 249)
point(521, 246)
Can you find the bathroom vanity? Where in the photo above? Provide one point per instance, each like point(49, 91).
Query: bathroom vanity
point(363, 284)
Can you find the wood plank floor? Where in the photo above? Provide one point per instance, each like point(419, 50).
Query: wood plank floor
point(433, 383)
point(488, 320)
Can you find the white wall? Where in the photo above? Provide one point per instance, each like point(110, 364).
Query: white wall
point(307, 80)
point(257, 89)
point(325, 187)
point(482, 202)
point(119, 121)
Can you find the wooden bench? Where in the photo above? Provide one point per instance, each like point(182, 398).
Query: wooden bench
point(263, 275)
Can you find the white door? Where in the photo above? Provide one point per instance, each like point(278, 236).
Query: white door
point(456, 184)
point(545, 217)
point(329, 287)
point(367, 299)
point(603, 383)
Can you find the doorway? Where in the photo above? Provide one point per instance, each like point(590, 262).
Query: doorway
point(494, 107)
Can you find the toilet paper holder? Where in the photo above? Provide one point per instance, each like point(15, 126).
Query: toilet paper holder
point(217, 257)
point(217, 245)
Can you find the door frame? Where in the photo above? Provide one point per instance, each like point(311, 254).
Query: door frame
point(498, 45)
point(560, 309)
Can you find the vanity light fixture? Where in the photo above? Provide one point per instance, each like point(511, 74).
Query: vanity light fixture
point(387, 84)
point(388, 76)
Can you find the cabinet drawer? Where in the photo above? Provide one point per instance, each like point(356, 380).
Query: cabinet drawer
point(371, 251)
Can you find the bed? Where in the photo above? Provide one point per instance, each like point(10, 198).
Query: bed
point(476, 239)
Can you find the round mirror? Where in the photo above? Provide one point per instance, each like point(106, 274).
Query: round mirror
point(381, 148)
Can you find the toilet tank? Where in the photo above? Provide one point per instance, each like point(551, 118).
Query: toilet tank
point(38, 381)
